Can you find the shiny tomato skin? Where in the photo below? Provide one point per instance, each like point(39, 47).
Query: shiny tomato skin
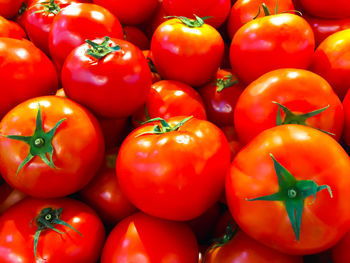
point(323, 28)
point(136, 36)
point(9, 8)
point(17, 235)
point(130, 12)
point(169, 98)
point(299, 90)
point(76, 23)
point(9, 196)
point(221, 104)
point(11, 29)
point(103, 193)
point(24, 65)
point(108, 86)
point(76, 161)
point(244, 11)
point(217, 9)
point(271, 42)
point(189, 55)
point(176, 175)
point(141, 238)
point(326, 9)
point(244, 249)
point(332, 61)
point(308, 154)
point(340, 252)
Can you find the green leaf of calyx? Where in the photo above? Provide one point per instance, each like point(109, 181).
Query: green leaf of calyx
point(198, 22)
point(99, 51)
point(164, 126)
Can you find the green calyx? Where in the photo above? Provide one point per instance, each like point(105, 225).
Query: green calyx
point(292, 193)
point(49, 7)
point(22, 9)
point(268, 13)
point(291, 118)
point(100, 50)
point(40, 142)
point(225, 82)
point(47, 219)
point(198, 22)
point(164, 127)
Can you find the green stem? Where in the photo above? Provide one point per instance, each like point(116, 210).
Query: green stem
point(164, 126)
point(198, 22)
point(99, 51)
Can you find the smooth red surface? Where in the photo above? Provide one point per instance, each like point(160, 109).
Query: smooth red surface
point(9, 8)
point(346, 105)
point(340, 252)
point(9, 196)
point(136, 36)
point(326, 9)
point(11, 29)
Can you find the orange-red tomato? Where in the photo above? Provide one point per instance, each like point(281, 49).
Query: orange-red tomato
point(11, 29)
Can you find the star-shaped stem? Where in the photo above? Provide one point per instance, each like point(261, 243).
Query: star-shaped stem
point(99, 51)
point(225, 82)
point(164, 127)
point(198, 22)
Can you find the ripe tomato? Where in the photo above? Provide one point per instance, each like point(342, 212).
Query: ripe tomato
point(148, 55)
point(346, 104)
point(157, 18)
point(340, 252)
point(9, 8)
point(76, 23)
point(243, 249)
point(169, 98)
point(174, 172)
point(141, 238)
point(23, 65)
point(286, 166)
point(136, 36)
point(332, 61)
point(25, 157)
point(130, 12)
point(244, 11)
point(187, 50)
point(9, 196)
point(271, 42)
point(217, 9)
point(220, 97)
point(103, 193)
point(79, 241)
point(326, 9)
point(110, 77)
point(299, 90)
point(232, 138)
point(11, 29)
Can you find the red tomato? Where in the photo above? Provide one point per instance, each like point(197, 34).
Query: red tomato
point(299, 90)
point(107, 83)
point(243, 249)
point(189, 53)
point(114, 130)
point(148, 55)
point(287, 165)
point(81, 241)
point(9, 196)
point(323, 28)
point(76, 23)
point(332, 61)
point(23, 65)
point(130, 12)
point(232, 138)
point(340, 252)
point(220, 97)
point(327, 9)
point(217, 9)
point(271, 42)
point(141, 238)
point(11, 29)
point(136, 36)
point(346, 104)
point(9, 8)
point(244, 11)
point(155, 20)
point(103, 193)
point(169, 98)
point(73, 163)
point(176, 174)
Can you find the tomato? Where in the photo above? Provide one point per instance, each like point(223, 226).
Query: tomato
point(104, 194)
point(271, 42)
point(346, 104)
point(38, 20)
point(311, 163)
point(148, 55)
point(232, 138)
point(340, 252)
point(114, 130)
point(79, 241)
point(157, 18)
point(332, 61)
point(141, 238)
point(23, 65)
point(217, 9)
point(76, 23)
point(130, 12)
point(169, 98)
point(107, 82)
point(326, 9)
point(220, 97)
point(9, 196)
point(244, 11)
point(323, 28)
point(49, 163)
point(136, 36)
point(11, 29)
point(300, 91)
point(174, 172)
point(187, 50)
point(243, 249)
point(9, 8)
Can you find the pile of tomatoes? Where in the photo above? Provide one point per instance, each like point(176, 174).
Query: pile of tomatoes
point(182, 131)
